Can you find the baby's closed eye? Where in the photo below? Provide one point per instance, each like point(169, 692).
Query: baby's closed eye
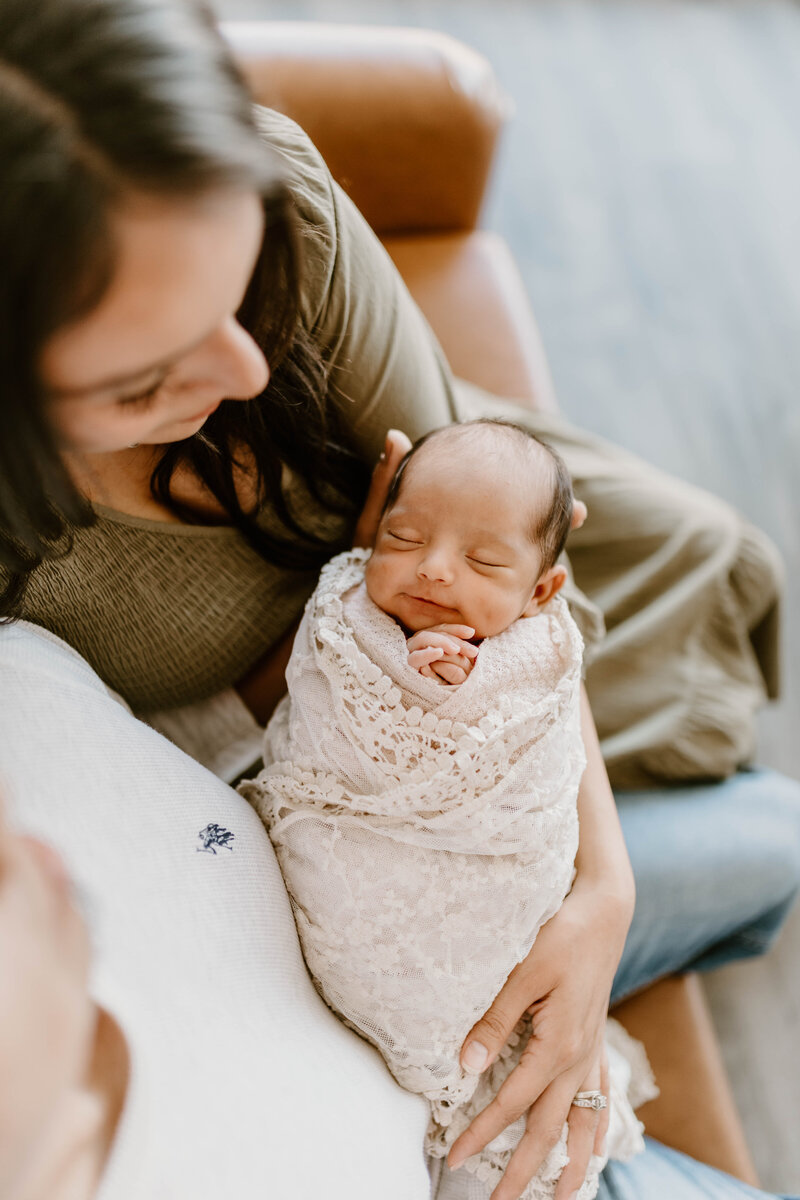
point(486, 562)
point(410, 539)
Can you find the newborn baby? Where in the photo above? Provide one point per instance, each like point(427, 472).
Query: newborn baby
point(421, 776)
point(474, 522)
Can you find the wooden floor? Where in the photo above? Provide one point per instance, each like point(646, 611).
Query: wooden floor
point(649, 186)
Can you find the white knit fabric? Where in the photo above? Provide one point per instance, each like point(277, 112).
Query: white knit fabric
point(425, 834)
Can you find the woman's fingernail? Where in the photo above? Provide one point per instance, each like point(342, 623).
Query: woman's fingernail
point(473, 1060)
point(456, 1160)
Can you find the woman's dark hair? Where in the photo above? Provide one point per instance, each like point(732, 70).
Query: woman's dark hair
point(99, 97)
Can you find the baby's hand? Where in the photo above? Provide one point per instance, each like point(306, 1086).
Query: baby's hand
point(443, 653)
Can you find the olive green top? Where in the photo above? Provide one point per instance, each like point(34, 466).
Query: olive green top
point(171, 614)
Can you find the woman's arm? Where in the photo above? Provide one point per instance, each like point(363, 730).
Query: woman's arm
point(566, 979)
point(265, 683)
point(602, 857)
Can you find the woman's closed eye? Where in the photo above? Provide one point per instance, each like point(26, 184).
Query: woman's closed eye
point(142, 399)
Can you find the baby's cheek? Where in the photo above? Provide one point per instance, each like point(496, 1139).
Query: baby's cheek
point(499, 610)
point(377, 577)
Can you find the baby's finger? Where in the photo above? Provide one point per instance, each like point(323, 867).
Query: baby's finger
point(459, 660)
point(457, 649)
point(420, 658)
point(449, 672)
point(460, 631)
point(460, 634)
point(427, 637)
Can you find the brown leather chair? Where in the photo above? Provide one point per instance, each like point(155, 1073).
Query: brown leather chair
point(408, 122)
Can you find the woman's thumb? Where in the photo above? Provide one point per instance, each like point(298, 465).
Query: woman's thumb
point(395, 446)
point(487, 1037)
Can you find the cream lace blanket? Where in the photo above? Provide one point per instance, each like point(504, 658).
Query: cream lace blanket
point(425, 834)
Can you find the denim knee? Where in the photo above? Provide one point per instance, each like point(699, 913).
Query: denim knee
point(773, 868)
point(717, 869)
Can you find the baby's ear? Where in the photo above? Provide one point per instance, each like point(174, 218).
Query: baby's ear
point(547, 586)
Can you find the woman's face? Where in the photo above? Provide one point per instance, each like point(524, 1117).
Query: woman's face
point(46, 1017)
point(163, 348)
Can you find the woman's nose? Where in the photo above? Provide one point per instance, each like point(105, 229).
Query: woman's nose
point(238, 363)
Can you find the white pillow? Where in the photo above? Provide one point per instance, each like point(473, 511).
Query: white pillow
point(244, 1084)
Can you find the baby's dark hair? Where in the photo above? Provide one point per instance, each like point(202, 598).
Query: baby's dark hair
point(549, 528)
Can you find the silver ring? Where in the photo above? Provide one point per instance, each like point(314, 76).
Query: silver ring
point(594, 1100)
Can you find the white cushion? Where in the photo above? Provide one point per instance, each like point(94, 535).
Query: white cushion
point(244, 1084)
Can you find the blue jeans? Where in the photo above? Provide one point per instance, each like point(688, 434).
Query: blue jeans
point(664, 1174)
point(717, 869)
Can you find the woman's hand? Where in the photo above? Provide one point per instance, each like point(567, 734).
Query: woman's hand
point(565, 982)
point(395, 448)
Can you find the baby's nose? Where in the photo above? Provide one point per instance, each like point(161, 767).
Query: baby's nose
point(436, 568)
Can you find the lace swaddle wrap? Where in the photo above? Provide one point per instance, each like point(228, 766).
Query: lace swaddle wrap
point(425, 832)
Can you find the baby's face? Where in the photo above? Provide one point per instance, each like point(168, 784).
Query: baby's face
point(455, 548)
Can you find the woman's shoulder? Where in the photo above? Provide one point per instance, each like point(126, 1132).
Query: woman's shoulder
point(311, 188)
point(301, 164)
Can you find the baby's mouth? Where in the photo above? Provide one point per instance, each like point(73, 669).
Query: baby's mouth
point(432, 603)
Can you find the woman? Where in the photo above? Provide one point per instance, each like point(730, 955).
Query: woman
point(166, 503)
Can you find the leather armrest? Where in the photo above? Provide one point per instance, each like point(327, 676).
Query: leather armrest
point(470, 290)
point(407, 120)
point(695, 1112)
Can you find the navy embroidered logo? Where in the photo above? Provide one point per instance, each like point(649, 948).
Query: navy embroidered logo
point(212, 837)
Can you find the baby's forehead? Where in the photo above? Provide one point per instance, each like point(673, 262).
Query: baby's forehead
point(465, 459)
point(471, 482)
point(465, 495)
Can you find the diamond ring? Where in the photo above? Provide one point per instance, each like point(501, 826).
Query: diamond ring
point(594, 1100)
